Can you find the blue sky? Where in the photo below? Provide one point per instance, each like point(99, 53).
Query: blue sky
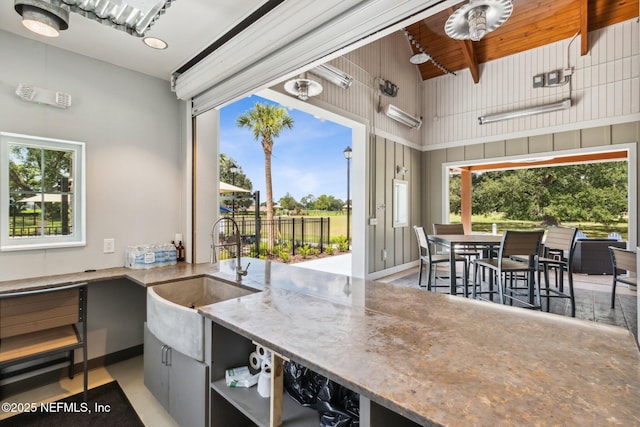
point(307, 159)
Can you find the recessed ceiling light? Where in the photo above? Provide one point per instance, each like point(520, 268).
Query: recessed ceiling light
point(155, 43)
point(42, 17)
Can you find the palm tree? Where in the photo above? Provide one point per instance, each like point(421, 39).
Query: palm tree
point(266, 121)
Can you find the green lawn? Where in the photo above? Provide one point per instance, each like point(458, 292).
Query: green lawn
point(592, 230)
point(337, 222)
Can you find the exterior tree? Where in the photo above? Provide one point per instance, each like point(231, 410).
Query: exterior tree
point(308, 201)
point(595, 192)
point(266, 121)
point(240, 180)
point(288, 202)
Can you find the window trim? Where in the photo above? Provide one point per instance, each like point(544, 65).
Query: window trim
point(78, 236)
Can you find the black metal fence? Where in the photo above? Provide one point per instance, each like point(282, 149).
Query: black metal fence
point(289, 233)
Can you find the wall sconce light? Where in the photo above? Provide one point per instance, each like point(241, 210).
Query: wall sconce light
point(389, 89)
point(303, 89)
point(401, 170)
point(547, 108)
point(334, 75)
point(405, 118)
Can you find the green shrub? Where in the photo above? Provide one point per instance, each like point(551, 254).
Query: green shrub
point(285, 256)
point(305, 251)
point(343, 246)
point(329, 250)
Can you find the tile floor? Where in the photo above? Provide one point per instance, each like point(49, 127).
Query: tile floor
point(592, 301)
point(129, 375)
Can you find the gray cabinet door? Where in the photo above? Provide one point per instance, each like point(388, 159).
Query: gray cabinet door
point(188, 390)
point(156, 373)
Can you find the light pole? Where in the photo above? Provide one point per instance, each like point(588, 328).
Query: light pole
point(234, 170)
point(347, 155)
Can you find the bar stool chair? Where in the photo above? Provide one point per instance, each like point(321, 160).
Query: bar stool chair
point(557, 255)
point(525, 244)
point(432, 260)
point(469, 252)
point(623, 261)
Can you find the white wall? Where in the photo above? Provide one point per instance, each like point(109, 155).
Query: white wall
point(132, 127)
point(605, 91)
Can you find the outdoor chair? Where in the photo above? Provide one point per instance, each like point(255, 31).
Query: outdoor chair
point(469, 252)
point(432, 260)
point(624, 262)
point(524, 245)
point(557, 255)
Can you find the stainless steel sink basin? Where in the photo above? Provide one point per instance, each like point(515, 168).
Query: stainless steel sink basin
point(172, 313)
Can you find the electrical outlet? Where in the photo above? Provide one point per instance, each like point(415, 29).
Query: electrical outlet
point(109, 246)
point(384, 254)
point(553, 77)
point(373, 221)
point(538, 81)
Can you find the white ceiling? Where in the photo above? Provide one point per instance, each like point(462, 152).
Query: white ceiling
point(188, 26)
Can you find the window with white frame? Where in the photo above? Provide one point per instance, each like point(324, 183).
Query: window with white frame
point(42, 203)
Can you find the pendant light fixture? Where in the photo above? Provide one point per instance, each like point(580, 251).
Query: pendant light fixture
point(43, 17)
point(477, 18)
point(422, 57)
point(303, 89)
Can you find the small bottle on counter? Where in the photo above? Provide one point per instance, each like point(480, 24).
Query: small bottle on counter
point(180, 252)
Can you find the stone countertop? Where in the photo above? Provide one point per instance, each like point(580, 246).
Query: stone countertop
point(440, 359)
point(142, 277)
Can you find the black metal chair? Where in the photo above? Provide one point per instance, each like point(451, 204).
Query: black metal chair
point(521, 244)
point(432, 260)
point(557, 255)
point(624, 262)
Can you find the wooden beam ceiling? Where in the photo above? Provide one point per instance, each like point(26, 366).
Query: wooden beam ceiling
point(533, 23)
point(543, 162)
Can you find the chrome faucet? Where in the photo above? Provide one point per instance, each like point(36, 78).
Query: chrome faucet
point(222, 242)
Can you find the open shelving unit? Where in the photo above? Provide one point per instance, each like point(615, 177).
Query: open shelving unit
point(240, 407)
point(237, 406)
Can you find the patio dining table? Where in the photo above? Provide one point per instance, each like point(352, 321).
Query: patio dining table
point(454, 241)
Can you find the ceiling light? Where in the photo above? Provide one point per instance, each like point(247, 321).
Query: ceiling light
point(419, 58)
point(155, 43)
point(547, 108)
point(405, 118)
point(43, 17)
point(477, 18)
point(422, 57)
point(303, 88)
point(334, 75)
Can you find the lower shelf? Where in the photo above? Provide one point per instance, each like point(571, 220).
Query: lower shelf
point(256, 408)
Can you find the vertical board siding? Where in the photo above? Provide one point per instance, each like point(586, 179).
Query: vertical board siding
point(399, 243)
point(387, 59)
point(605, 85)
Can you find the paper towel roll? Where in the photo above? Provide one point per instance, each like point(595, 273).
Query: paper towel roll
point(255, 361)
point(264, 383)
point(263, 352)
point(265, 364)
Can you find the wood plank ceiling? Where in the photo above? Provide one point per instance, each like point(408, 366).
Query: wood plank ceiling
point(532, 24)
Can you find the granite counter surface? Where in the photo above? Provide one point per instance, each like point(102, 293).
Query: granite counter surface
point(440, 359)
point(145, 278)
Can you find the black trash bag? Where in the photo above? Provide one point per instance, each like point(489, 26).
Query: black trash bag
point(337, 405)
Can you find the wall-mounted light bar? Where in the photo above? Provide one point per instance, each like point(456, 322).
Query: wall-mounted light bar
point(333, 75)
point(405, 118)
point(43, 96)
point(547, 108)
